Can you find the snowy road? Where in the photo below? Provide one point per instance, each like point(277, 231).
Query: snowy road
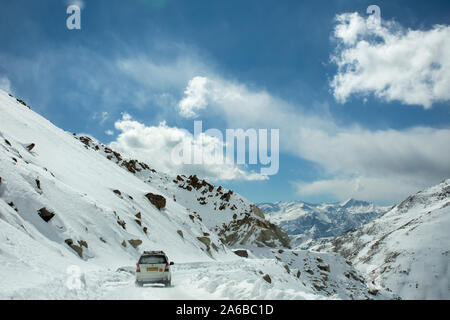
point(203, 280)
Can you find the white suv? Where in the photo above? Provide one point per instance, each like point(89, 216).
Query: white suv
point(153, 267)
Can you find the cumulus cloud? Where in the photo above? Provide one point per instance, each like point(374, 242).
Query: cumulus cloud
point(376, 189)
point(156, 145)
point(385, 165)
point(195, 97)
point(394, 64)
point(5, 84)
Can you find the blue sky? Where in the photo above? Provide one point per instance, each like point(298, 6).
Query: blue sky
point(373, 138)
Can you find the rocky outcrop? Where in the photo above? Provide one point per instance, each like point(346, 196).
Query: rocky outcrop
point(264, 233)
point(257, 211)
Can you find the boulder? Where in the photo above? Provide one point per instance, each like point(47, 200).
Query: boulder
point(241, 253)
point(83, 243)
point(135, 242)
point(45, 214)
point(267, 278)
point(157, 200)
point(77, 249)
point(206, 241)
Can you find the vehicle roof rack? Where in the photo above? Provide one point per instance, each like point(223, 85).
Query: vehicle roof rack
point(154, 252)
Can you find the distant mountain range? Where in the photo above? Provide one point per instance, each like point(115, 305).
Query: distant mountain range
point(406, 250)
point(305, 222)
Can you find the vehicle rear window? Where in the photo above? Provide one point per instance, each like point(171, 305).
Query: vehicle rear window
point(152, 260)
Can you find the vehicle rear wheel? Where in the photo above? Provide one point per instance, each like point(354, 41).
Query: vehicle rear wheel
point(168, 283)
point(139, 284)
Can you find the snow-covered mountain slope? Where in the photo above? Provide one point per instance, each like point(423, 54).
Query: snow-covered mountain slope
point(407, 250)
point(69, 204)
point(236, 220)
point(305, 222)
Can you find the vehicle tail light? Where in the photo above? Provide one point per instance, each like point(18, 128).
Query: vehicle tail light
point(167, 267)
point(138, 268)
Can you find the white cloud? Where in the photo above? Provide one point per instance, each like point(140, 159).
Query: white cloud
point(385, 164)
point(155, 144)
point(195, 97)
point(109, 132)
point(161, 75)
point(101, 117)
point(377, 189)
point(410, 66)
point(5, 84)
point(78, 3)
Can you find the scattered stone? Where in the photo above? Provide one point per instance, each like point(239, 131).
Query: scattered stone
point(180, 233)
point(77, 249)
point(373, 292)
point(298, 274)
point(138, 215)
point(145, 230)
point(135, 242)
point(138, 222)
point(45, 214)
point(267, 278)
point(121, 223)
point(38, 184)
point(206, 241)
point(241, 253)
point(8, 143)
point(124, 244)
point(309, 271)
point(83, 243)
point(324, 267)
point(102, 240)
point(30, 146)
point(287, 268)
point(117, 192)
point(157, 200)
point(280, 251)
